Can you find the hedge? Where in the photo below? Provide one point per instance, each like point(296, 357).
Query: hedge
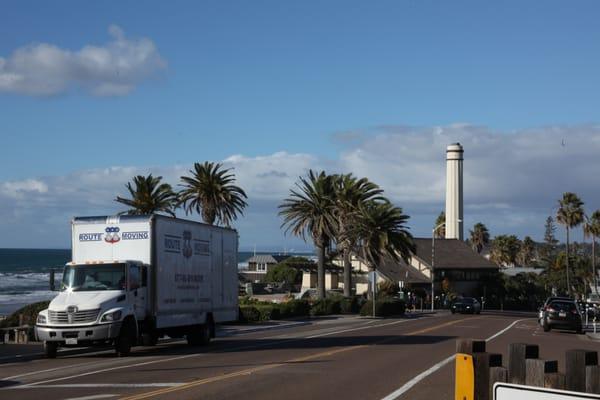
point(294, 308)
point(350, 305)
point(384, 307)
point(264, 311)
point(326, 306)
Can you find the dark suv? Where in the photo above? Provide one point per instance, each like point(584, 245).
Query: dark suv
point(548, 301)
point(466, 305)
point(562, 314)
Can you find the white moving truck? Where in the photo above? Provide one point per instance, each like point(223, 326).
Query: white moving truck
point(133, 279)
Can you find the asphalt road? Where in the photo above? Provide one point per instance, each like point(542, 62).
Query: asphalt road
point(338, 357)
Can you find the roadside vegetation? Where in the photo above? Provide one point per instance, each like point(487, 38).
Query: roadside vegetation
point(29, 314)
point(344, 215)
point(560, 269)
point(252, 310)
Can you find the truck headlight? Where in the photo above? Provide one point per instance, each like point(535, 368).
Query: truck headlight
point(41, 319)
point(110, 317)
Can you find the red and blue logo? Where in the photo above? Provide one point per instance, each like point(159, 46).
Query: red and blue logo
point(112, 235)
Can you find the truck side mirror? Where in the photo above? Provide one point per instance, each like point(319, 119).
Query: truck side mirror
point(52, 283)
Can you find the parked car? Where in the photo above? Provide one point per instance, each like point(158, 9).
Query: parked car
point(548, 301)
point(562, 314)
point(466, 305)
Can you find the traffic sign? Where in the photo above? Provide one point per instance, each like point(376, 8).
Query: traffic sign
point(508, 391)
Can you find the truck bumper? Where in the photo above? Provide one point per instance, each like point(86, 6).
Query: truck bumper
point(83, 334)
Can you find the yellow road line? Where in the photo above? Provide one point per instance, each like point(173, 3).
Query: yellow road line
point(250, 371)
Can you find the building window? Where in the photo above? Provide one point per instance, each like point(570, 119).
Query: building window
point(261, 267)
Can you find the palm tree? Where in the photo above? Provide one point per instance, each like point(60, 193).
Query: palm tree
point(383, 233)
point(526, 253)
point(591, 228)
point(569, 214)
point(211, 192)
point(149, 196)
point(440, 232)
point(310, 210)
point(480, 237)
point(504, 250)
point(349, 194)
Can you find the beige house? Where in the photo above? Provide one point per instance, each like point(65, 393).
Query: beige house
point(259, 265)
point(455, 262)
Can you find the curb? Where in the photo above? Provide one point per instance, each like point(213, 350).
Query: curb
point(593, 336)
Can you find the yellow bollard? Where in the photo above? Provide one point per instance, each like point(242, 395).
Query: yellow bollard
point(464, 386)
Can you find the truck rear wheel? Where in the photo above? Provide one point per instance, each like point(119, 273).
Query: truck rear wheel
point(150, 339)
point(199, 335)
point(126, 339)
point(50, 349)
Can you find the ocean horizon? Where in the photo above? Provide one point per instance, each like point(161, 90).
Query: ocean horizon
point(25, 273)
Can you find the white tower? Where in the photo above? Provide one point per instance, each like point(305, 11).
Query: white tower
point(454, 191)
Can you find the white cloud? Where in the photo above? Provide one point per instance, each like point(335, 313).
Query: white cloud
point(113, 69)
point(512, 182)
point(18, 189)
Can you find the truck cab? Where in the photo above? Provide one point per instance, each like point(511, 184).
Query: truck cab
point(96, 301)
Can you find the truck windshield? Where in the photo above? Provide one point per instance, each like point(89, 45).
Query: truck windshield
point(94, 277)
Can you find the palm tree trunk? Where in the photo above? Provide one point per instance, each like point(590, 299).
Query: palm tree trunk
point(568, 285)
point(347, 273)
point(321, 270)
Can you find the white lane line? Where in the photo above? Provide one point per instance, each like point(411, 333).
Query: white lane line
point(48, 370)
point(110, 369)
point(102, 385)
point(408, 385)
point(93, 397)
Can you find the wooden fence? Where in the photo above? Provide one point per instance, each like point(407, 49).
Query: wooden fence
point(478, 370)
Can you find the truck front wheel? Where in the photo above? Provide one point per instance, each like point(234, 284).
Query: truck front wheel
point(126, 339)
point(50, 349)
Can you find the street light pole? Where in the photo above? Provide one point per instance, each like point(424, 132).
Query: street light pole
point(432, 264)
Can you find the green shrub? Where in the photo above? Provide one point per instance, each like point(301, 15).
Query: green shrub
point(246, 301)
point(249, 314)
point(384, 307)
point(294, 308)
point(282, 273)
point(268, 312)
point(29, 312)
point(326, 306)
point(350, 305)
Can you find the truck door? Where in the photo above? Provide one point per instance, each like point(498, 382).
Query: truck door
point(137, 291)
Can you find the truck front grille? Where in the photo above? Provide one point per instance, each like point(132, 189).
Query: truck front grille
point(80, 317)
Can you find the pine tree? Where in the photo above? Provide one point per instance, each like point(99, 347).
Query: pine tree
point(549, 237)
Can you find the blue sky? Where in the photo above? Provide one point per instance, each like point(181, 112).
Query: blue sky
point(313, 79)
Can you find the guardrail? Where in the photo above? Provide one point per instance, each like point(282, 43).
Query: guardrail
point(15, 334)
point(478, 370)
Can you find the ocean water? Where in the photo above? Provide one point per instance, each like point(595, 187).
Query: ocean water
point(25, 275)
